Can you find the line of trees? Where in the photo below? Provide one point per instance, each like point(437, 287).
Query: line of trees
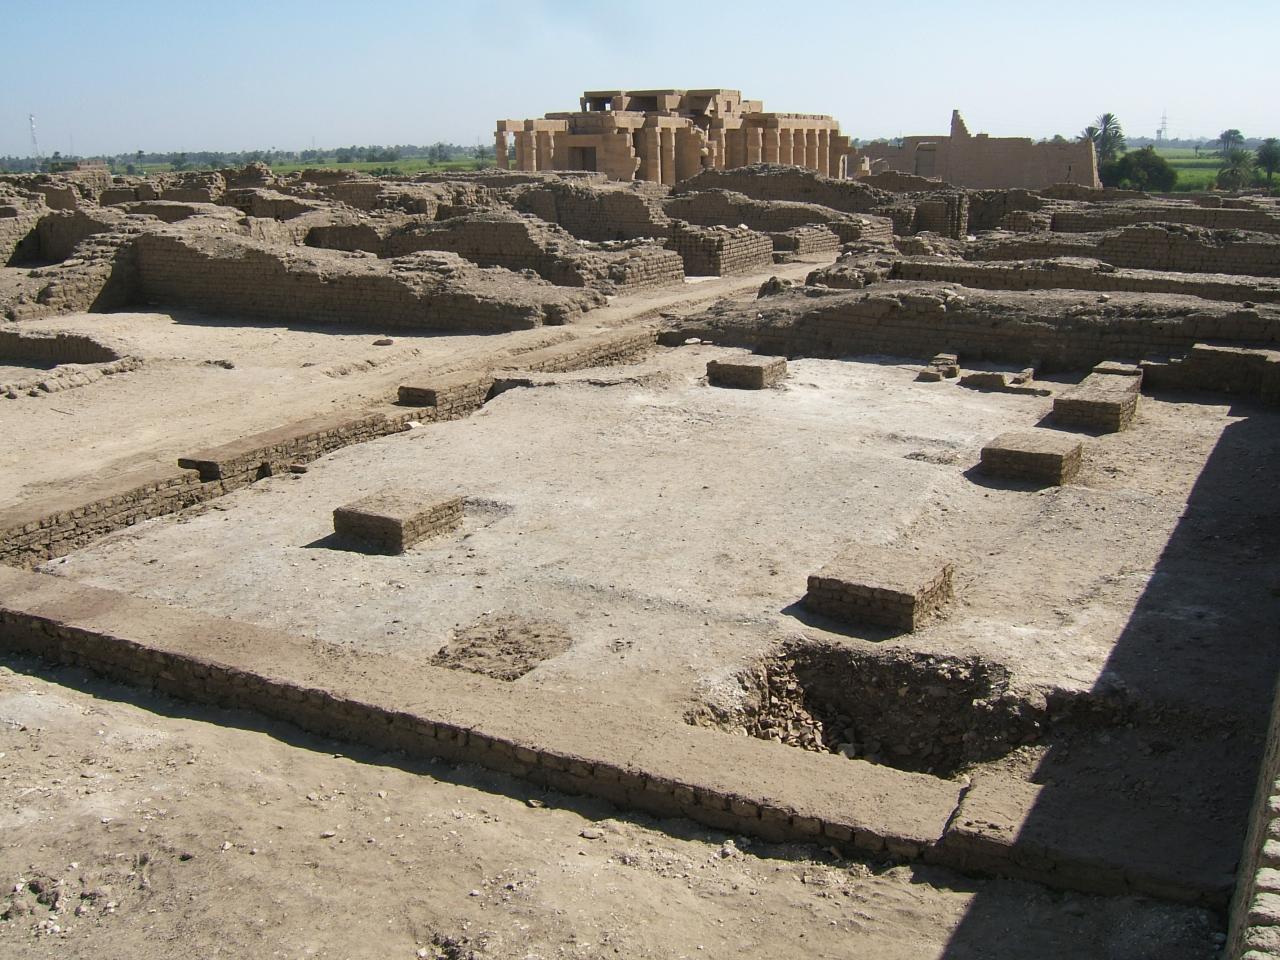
point(1144, 169)
point(139, 160)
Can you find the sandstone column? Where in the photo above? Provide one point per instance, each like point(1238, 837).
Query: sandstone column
point(668, 156)
point(772, 145)
point(798, 156)
point(543, 140)
point(786, 143)
point(755, 143)
point(500, 150)
point(811, 149)
point(717, 148)
point(824, 152)
point(650, 155)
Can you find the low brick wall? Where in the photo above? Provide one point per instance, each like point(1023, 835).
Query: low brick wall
point(608, 349)
point(1072, 273)
point(1110, 216)
point(1054, 331)
point(1254, 919)
point(736, 784)
point(720, 251)
point(806, 240)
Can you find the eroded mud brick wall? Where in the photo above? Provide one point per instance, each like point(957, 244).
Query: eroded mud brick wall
point(432, 291)
point(1095, 219)
point(599, 213)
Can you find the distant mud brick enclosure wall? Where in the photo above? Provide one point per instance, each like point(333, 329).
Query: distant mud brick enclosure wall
point(1037, 456)
point(393, 520)
point(895, 588)
point(747, 373)
point(981, 162)
point(720, 251)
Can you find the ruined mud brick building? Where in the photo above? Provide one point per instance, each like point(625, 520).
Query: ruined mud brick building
point(980, 161)
point(1115, 423)
point(666, 136)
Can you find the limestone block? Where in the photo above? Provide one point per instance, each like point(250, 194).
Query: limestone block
point(891, 587)
point(392, 520)
point(1042, 456)
point(747, 373)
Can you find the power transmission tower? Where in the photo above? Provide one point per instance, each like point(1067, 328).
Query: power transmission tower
point(35, 144)
point(1163, 133)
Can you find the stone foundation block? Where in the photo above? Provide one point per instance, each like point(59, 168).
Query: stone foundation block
point(885, 586)
point(1041, 456)
point(391, 521)
point(747, 373)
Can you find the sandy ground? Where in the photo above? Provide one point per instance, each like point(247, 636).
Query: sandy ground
point(181, 397)
point(161, 831)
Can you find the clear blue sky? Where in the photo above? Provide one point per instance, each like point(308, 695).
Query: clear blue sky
point(233, 75)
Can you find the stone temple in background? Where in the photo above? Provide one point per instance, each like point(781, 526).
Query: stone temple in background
point(670, 135)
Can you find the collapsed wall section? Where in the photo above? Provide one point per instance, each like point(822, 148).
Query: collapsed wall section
point(440, 291)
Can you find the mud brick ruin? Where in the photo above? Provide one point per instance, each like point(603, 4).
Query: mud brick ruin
point(1039, 456)
point(889, 588)
point(393, 520)
point(747, 373)
point(195, 368)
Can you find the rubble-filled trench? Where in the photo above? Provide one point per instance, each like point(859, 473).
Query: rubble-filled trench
point(922, 712)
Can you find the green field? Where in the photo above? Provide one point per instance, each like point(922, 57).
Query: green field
point(1194, 173)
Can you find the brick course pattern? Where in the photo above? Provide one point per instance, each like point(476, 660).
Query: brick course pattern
point(1083, 273)
point(1038, 456)
point(1101, 402)
point(1150, 246)
point(393, 520)
point(450, 396)
point(439, 291)
point(720, 251)
point(747, 373)
point(895, 588)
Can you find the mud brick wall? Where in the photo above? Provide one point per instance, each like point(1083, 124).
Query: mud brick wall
point(600, 351)
point(774, 182)
point(1072, 273)
point(34, 533)
point(53, 348)
point(942, 213)
point(1158, 246)
point(1049, 333)
point(1096, 219)
point(1101, 402)
point(59, 233)
point(18, 241)
point(804, 240)
point(238, 276)
point(450, 396)
point(720, 251)
point(598, 213)
point(67, 378)
point(100, 274)
point(1254, 918)
point(1219, 368)
point(852, 602)
point(525, 242)
point(709, 208)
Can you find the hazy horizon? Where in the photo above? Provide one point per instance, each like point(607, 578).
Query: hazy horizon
point(287, 76)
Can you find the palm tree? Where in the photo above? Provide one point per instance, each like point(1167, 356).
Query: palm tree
point(1230, 139)
point(1237, 170)
point(1268, 157)
point(1107, 137)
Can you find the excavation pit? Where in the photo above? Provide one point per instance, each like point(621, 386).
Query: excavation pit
point(912, 711)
